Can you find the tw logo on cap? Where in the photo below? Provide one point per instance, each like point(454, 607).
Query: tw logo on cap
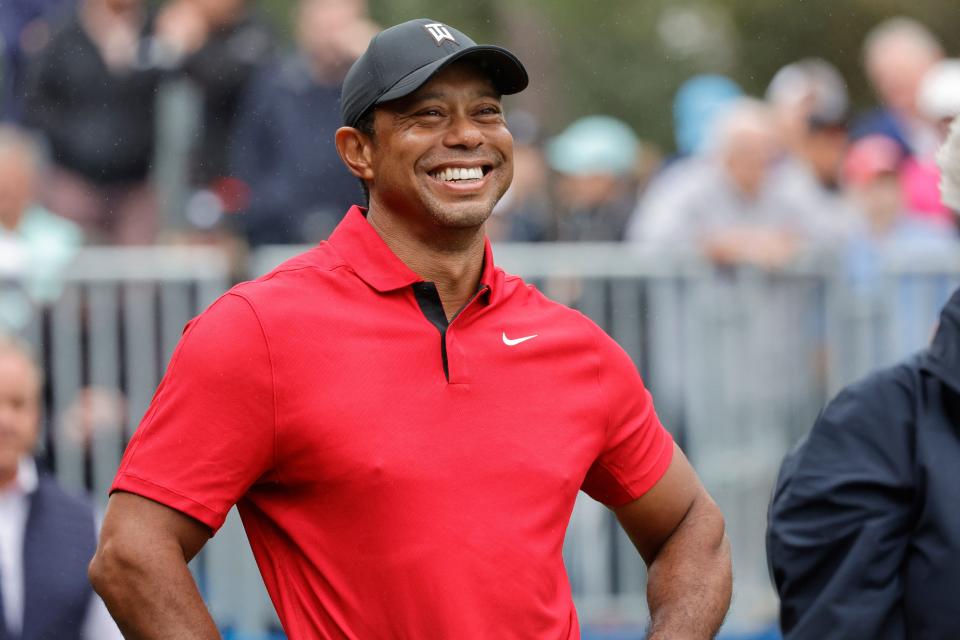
point(439, 32)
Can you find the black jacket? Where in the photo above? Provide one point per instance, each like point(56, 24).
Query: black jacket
point(99, 123)
point(864, 528)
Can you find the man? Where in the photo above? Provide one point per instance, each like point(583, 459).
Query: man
point(595, 160)
point(898, 53)
point(730, 207)
point(405, 427)
point(282, 145)
point(46, 535)
point(809, 99)
point(35, 245)
point(864, 537)
point(697, 105)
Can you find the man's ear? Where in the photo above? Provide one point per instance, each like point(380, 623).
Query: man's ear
point(355, 149)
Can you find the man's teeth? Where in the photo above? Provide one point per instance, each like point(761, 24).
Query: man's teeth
point(456, 173)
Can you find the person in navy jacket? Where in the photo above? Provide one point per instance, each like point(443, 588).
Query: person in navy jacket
point(864, 529)
point(47, 536)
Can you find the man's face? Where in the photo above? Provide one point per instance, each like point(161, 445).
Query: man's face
point(443, 153)
point(896, 70)
point(19, 411)
point(748, 160)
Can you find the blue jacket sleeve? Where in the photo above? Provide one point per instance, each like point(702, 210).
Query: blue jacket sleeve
point(841, 517)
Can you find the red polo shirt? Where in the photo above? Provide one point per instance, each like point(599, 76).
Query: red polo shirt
point(397, 477)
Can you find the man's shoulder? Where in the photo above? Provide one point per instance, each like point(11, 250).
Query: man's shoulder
point(315, 267)
point(305, 280)
point(879, 409)
point(893, 384)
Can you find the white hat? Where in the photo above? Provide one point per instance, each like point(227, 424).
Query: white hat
point(939, 94)
point(948, 159)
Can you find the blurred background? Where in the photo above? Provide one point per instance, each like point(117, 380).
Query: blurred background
point(742, 192)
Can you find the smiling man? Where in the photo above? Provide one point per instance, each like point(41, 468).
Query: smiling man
point(403, 426)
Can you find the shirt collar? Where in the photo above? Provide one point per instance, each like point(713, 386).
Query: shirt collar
point(26, 480)
point(359, 244)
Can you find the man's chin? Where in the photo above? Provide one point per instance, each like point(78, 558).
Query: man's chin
point(462, 215)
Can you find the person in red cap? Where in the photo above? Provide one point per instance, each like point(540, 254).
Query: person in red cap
point(403, 426)
point(872, 174)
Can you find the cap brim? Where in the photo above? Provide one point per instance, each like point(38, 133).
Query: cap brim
point(506, 71)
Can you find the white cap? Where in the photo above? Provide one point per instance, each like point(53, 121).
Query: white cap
point(948, 159)
point(939, 94)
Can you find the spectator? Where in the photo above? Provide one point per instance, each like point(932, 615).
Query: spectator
point(25, 28)
point(898, 53)
point(35, 245)
point(729, 206)
point(872, 174)
point(809, 99)
point(47, 536)
point(282, 146)
point(863, 533)
point(525, 213)
point(595, 160)
point(863, 538)
point(93, 98)
point(220, 44)
point(698, 104)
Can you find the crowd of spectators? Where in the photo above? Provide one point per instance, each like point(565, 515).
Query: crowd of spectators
point(798, 171)
point(754, 180)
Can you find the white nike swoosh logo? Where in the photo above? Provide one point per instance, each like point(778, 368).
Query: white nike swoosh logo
point(511, 343)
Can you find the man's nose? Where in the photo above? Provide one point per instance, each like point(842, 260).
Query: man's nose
point(463, 132)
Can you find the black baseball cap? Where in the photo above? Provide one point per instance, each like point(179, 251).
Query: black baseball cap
point(399, 60)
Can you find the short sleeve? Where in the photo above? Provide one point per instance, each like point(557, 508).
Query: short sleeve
point(637, 449)
point(209, 433)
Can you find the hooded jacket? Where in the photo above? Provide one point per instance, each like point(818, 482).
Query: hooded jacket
point(863, 536)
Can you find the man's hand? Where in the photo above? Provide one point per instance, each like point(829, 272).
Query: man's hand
point(140, 570)
point(679, 531)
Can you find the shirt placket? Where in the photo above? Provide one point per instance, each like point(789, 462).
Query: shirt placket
point(452, 355)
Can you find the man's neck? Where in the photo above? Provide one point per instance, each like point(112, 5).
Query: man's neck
point(450, 258)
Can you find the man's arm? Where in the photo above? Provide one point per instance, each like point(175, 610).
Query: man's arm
point(679, 531)
point(140, 570)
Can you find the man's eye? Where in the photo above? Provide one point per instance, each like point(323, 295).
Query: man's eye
point(436, 113)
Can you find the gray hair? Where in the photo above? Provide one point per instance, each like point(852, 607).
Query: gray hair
point(811, 79)
point(948, 159)
point(744, 115)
